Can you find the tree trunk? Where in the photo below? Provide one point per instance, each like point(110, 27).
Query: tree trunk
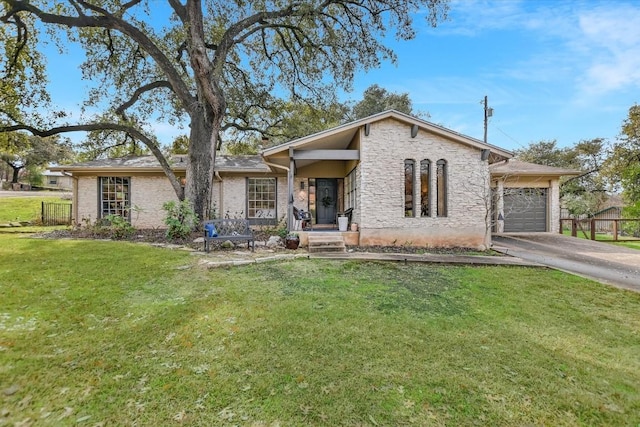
point(201, 161)
point(16, 173)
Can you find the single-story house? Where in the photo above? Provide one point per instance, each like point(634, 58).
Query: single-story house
point(404, 181)
point(57, 180)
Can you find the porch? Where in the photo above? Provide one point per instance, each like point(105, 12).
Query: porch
point(326, 239)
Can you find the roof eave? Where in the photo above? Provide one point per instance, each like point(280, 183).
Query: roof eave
point(436, 129)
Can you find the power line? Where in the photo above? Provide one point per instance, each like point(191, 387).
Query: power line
point(510, 137)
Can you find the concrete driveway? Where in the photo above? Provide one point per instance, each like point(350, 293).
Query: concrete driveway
point(604, 262)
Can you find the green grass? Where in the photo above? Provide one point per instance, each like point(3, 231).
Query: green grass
point(25, 208)
point(632, 244)
point(635, 244)
point(112, 333)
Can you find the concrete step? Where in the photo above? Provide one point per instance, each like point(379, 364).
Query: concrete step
point(326, 242)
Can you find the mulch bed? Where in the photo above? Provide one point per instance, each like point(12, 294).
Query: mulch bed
point(158, 236)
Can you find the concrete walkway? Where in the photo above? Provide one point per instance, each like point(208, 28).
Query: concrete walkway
point(604, 262)
point(244, 259)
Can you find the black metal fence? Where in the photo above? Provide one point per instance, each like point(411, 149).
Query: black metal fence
point(56, 213)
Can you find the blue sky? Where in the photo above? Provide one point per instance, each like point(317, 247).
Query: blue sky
point(552, 69)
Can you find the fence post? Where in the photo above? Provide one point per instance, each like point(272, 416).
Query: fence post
point(615, 230)
point(574, 227)
point(593, 229)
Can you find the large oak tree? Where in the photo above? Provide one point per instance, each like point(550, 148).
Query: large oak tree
point(623, 166)
point(217, 65)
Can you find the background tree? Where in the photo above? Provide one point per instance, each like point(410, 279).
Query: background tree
point(623, 166)
point(32, 152)
point(582, 194)
point(216, 65)
point(180, 145)
point(376, 99)
point(547, 153)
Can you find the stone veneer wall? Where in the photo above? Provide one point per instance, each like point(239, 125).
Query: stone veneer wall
point(381, 195)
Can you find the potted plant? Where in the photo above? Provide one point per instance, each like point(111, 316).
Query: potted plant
point(292, 241)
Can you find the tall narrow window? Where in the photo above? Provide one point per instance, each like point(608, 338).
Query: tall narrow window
point(425, 178)
point(441, 183)
point(261, 198)
point(350, 189)
point(409, 208)
point(114, 196)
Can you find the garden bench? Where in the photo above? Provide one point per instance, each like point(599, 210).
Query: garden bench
point(221, 230)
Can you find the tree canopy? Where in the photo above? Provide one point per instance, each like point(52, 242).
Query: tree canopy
point(582, 194)
point(623, 165)
point(376, 99)
point(218, 65)
point(21, 151)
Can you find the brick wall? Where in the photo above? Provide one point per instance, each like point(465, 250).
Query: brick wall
point(148, 194)
point(230, 196)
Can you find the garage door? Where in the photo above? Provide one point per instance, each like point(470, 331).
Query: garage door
point(525, 209)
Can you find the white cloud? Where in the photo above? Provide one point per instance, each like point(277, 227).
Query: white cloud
point(611, 35)
point(595, 45)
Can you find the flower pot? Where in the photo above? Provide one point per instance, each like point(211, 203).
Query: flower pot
point(343, 222)
point(354, 226)
point(292, 242)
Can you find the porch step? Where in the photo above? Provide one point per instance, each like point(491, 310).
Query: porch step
point(326, 242)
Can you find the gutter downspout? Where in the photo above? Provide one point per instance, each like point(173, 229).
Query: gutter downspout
point(290, 189)
point(216, 174)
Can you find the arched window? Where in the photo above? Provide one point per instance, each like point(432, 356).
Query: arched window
point(409, 202)
point(425, 178)
point(441, 190)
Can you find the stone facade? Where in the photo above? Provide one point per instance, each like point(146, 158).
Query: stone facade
point(382, 215)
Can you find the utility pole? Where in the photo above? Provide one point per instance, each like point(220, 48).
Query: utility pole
point(488, 112)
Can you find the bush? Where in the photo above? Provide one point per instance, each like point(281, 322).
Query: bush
point(181, 220)
point(117, 226)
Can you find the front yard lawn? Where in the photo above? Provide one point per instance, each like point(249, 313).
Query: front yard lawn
point(25, 208)
point(114, 333)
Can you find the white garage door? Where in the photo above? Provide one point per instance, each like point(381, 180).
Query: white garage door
point(525, 209)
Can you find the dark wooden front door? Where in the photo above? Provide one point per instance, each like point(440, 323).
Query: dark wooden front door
point(326, 200)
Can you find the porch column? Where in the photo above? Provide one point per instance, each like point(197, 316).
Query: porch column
point(292, 165)
point(553, 201)
point(499, 215)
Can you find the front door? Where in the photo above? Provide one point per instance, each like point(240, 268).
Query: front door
point(326, 200)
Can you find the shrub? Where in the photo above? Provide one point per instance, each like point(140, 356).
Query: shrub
point(119, 228)
point(180, 219)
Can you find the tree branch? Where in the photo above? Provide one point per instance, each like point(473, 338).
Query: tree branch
point(107, 20)
point(141, 90)
point(127, 129)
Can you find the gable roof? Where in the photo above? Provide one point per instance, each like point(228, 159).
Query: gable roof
point(224, 163)
point(520, 168)
point(341, 136)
